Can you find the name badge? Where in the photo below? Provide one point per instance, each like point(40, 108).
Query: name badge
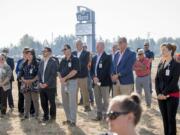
point(31, 70)
point(167, 72)
point(100, 65)
point(69, 64)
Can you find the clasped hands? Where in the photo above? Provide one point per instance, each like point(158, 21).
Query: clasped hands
point(162, 97)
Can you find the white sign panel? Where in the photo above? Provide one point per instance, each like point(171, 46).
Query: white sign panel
point(83, 29)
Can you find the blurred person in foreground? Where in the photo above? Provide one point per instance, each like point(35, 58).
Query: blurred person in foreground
point(142, 69)
point(124, 113)
point(5, 83)
point(166, 84)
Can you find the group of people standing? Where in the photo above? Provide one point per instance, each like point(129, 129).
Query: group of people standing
point(105, 73)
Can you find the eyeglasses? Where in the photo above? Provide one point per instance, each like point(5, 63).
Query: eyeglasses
point(113, 115)
point(140, 54)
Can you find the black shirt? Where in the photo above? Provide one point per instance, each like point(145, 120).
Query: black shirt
point(66, 66)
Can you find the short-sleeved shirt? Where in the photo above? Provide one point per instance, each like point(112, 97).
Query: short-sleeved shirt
point(144, 67)
point(66, 66)
point(149, 54)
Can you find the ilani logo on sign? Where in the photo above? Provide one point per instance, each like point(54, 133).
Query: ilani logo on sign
point(83, 16)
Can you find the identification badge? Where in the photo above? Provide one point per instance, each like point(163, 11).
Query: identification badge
point(100, 65)
point(31, 70)
point(69, 64)
point(167, 72)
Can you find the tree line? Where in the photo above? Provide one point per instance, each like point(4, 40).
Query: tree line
point(58, 43)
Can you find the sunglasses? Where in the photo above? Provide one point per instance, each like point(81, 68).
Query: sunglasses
point(113, 115)
point(64, 49)
point(44, 51)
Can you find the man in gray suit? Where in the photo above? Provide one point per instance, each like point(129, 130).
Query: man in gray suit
point(47, 77)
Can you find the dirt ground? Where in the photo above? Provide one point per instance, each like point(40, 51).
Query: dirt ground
point(150, 124)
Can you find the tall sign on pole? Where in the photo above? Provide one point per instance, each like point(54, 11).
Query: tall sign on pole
point(85, 26)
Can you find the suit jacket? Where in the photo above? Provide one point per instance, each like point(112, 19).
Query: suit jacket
point(10, 62)
point(166, 84)
point(50, 73)
point(124, 67)
point(103, 73)
point(83, 60)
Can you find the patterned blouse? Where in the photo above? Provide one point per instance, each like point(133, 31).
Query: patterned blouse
point(5, 74)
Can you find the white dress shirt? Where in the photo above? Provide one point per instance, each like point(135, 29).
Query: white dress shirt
point(45, 65)
point(79, 53)
point(97, 62)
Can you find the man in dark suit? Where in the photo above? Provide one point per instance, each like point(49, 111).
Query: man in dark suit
point(47, 77)
point(10, 62)
point(100, 73)
point(122, 69)
point(83, 73)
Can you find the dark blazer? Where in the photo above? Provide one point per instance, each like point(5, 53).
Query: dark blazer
point(167, 84)
point(103, 73)
point(50, 73)
point(124, 67)
point(10, 62)
point(83, 60)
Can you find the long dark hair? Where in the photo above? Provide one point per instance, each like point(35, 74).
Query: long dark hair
point(34, 59)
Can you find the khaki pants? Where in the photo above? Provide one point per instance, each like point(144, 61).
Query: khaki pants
point(34, 96)
point(102, 98)
point(82, 85)
point(120, 89)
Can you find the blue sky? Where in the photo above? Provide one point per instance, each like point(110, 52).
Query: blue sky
point(130, 18)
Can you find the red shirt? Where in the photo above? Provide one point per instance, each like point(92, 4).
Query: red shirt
point(142, 67)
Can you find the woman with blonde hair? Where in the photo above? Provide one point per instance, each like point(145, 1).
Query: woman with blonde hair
point(166, 85)
point(5, 76)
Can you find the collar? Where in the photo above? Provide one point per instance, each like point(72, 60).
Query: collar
point(99, 55)
point(45, 60)
point(80, 51)
point(123, 51)
point(69, 58)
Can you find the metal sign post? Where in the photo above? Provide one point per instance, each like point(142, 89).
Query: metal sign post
point(86, 26)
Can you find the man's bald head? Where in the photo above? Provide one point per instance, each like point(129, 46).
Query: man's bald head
point(100, 46)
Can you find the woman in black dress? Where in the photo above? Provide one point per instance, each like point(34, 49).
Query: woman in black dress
point(166, 83)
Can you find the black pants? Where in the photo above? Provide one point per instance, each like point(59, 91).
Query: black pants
point(48, 95)
point(10, 97)
point(21, 101)
point(3, 97)
point(168, 110)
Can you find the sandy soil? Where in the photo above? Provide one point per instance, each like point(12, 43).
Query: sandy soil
point(150, 124)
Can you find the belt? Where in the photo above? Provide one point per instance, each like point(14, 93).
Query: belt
point(143, 76)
